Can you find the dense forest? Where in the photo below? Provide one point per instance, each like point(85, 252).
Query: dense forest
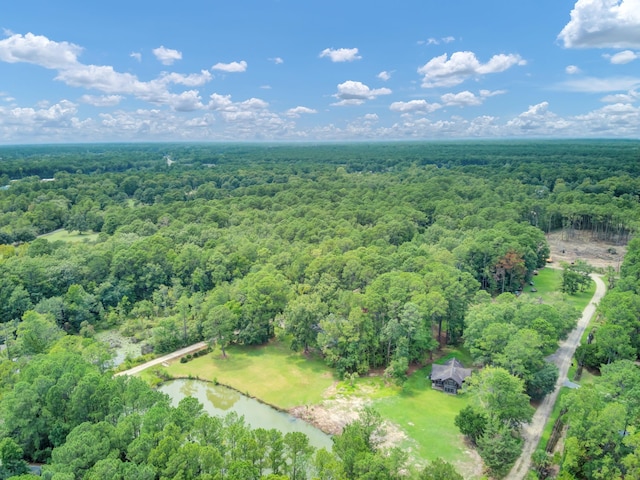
point(373, 256)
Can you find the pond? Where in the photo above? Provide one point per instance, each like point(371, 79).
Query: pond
point(219, 400)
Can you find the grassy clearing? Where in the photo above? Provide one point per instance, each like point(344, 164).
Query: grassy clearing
point(549, 285)
point(427, 415)
point(66, 236)
point(272, 373)
point(286, 379)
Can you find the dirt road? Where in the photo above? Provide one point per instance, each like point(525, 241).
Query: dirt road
point(165, 358)
point(562, 358)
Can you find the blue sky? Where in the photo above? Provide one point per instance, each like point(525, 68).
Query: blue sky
point(306, 70)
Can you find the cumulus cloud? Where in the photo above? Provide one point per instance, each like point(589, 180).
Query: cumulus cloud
point(356, 93)
point(616, 120)
point(445, 71)
point(39, 50)
point(167, 56)
point(630, 97)
point(414, 106)
point(63, 57)
point(384, 75)
point(190, 80)
point(233, 67)
point(538, 120)
point(101, 100)
point(572, 70)
point(620, 58)
point(223, 103)
point(603, 24)
point(136, 55)
point(42, 123)
point(467, 98)
point(297, 111)
point(600, 85)
point(277, 60)
point(341, 54)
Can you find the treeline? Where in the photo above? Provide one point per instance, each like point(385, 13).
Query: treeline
point(59, 407)
point(617, 335)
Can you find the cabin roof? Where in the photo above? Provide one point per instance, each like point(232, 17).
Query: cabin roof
point(452, 369)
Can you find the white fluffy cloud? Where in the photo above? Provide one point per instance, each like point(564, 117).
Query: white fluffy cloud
point(356, 93)
point(102, 100)
point(136, 55)
point(297, 111)
point(603, 24)
point(233, 67)
point(63, 57)
point(167, 56)
point(445, 71)
point(572, 69)
point(39, 50)
point(630, 97)
point(467, 98)
point(538, 120)
point(341, 54)
point(384, 75)
point(620, 58)
point(414, 106)
point(277, 60)
point(190, 80)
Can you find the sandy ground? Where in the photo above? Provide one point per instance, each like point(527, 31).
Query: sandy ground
point(337, 410)
point(581, 246)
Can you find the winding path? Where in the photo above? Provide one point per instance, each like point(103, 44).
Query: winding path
point(165, 358)
point(562, 358)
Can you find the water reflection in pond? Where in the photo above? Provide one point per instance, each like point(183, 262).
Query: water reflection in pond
point(219, 400)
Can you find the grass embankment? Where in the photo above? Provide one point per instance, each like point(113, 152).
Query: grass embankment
point(271, 373)
point(66, 236)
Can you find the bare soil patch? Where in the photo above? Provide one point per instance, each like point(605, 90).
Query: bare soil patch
point(569, 247)
point(337, 410)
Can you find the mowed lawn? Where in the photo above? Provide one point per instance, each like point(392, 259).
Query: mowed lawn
point(548, 282)
point(67, 236)
point(427, 415)
point(271, 373)
point(284, 379)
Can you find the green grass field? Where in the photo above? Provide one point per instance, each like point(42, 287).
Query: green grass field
point(272, 373)
point(427, 415)
point(67, 236)
point(548, 282)
point(285, 379)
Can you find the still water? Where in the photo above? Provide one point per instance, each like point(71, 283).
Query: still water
point(219, 400)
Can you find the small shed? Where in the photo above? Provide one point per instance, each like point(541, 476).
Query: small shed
point(449, 376)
